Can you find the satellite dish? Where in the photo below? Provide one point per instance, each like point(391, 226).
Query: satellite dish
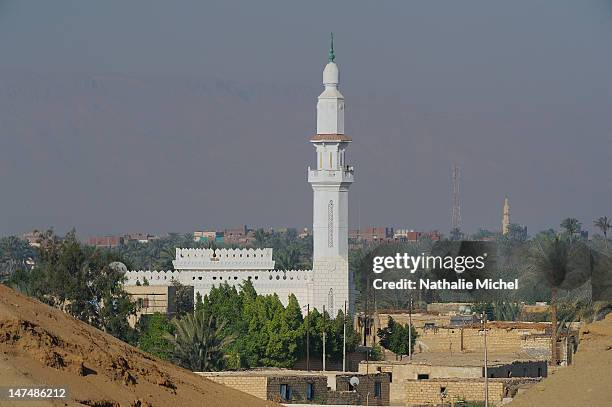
point(354, 381)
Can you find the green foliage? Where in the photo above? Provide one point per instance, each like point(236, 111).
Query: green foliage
point(183, 298)
point(498, 310)
point(396, 337)
point(290, 251)
point(80, 280)
point(153, 335)
point(376, 352)
point(571, 226)
point(267, 333)
point(15, 254)
point(197, 343)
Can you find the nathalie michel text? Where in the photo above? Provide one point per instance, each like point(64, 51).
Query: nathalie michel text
point(460, 284)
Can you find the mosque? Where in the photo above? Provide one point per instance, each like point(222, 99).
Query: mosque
point(329, 284)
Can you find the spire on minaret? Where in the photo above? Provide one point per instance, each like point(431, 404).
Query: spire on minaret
point(506, 217)
point(330, 108)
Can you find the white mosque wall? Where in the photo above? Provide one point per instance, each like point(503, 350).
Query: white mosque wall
point(266, 282)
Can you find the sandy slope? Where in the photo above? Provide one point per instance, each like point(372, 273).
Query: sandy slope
point(586, 383)
point(40, 345)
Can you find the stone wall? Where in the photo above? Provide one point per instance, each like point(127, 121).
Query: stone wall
point(533, 342)
point(366, 388)
point(253, 385)
point(535, 368)
point(436, 391)
point(423, 392)
point(298, 386)
point(401, 372)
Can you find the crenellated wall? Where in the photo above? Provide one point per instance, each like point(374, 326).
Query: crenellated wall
point(215, 259)
point(266, 282)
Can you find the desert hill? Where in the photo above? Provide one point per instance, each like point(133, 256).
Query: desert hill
point(586, 383)
point(40, 345)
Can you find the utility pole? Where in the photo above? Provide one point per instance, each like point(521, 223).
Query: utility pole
point(410, 329)
point(324, 338)
point(308, 338)
point(486, 373)
point(344, 339)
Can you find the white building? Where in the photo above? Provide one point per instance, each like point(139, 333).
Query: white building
point(329, 284)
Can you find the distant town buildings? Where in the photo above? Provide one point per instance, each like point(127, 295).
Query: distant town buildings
point(114, 241)
point(373, 235)
point(107, 242)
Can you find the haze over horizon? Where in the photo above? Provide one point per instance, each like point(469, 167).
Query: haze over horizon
point(158, 117)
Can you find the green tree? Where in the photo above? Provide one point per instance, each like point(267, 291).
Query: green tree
point(560, 262)
point(183, 298)
point(153, 335)
point(397, 337)
point(287, 259)
point(15, 254)
point(603, 224)
point(197, 343)
point(571, 226)
point(83, 282)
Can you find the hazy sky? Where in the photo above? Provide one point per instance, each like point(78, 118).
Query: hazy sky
point(158, 116)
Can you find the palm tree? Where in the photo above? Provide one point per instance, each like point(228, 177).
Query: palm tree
point(198, 344)
point(287, 259)
point(551, 259)
point(603, 224)
point(260, 238)
point(571, 226)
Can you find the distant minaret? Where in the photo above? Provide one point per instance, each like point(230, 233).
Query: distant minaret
point(330, 180)
point(506, 217)
point(456, 212)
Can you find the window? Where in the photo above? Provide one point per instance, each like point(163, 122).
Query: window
point(443, 391)
point(285, 392)
point(377, 389)
point(422, 376)
point(309, 391)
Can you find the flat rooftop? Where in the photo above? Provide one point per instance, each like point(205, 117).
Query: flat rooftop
point(271, 372)
point(470, 359)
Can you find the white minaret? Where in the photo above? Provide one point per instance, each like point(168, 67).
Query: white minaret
point(330, 183)
point(506, 217)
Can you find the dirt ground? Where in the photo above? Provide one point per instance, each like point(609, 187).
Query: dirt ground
point(586, 383)
point(42, 346)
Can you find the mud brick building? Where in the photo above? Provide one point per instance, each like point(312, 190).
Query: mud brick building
point(303, 387)
point(450, 391)
point(426, 367)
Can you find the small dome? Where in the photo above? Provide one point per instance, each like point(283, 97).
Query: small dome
point(331, 74)
point(118, 266)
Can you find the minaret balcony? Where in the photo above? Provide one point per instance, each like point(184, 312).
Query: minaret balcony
point(340, 175)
